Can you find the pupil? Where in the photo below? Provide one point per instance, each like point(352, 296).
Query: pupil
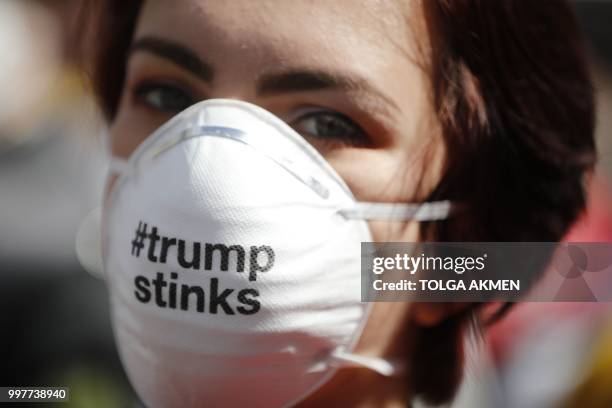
point(174, 99)
point(331, 127)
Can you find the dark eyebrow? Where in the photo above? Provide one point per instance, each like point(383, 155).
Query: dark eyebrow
point(313, 80)
point(295, 80)
point(177, 53)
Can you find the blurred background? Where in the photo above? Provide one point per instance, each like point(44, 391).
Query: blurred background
point(54, 320)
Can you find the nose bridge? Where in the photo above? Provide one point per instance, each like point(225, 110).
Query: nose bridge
point(235, 94)
point(238, 72)
point(237, 81)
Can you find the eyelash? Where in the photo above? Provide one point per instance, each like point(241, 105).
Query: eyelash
point(354, 136)
point(146, 89)
point(178, 99)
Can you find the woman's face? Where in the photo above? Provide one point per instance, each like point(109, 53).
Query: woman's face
point(343, 73)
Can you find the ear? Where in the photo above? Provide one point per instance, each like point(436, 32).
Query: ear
point(430, 314)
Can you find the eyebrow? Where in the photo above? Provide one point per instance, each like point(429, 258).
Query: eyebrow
point(312, 80)
point(294, 80)
point(177, 53)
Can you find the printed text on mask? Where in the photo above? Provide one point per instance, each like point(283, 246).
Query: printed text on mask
point(170, 293)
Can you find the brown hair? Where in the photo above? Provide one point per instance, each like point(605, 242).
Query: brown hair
point(512, 95)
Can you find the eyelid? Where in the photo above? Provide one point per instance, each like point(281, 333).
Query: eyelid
point(309, 112)
point(145, 67)
point(150, 83)
point(141, 90)
point(299, 113)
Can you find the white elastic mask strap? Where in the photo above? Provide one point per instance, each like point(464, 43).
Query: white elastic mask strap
point(431, 211)
point(379, 365)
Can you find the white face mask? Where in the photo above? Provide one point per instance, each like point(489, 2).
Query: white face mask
point(269, 307)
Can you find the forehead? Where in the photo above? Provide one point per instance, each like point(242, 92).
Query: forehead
point(322, 32)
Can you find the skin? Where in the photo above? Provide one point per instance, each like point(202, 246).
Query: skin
point(383, 103)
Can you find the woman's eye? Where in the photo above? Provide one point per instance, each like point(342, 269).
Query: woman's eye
point(331, 126)
point(164, 97)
